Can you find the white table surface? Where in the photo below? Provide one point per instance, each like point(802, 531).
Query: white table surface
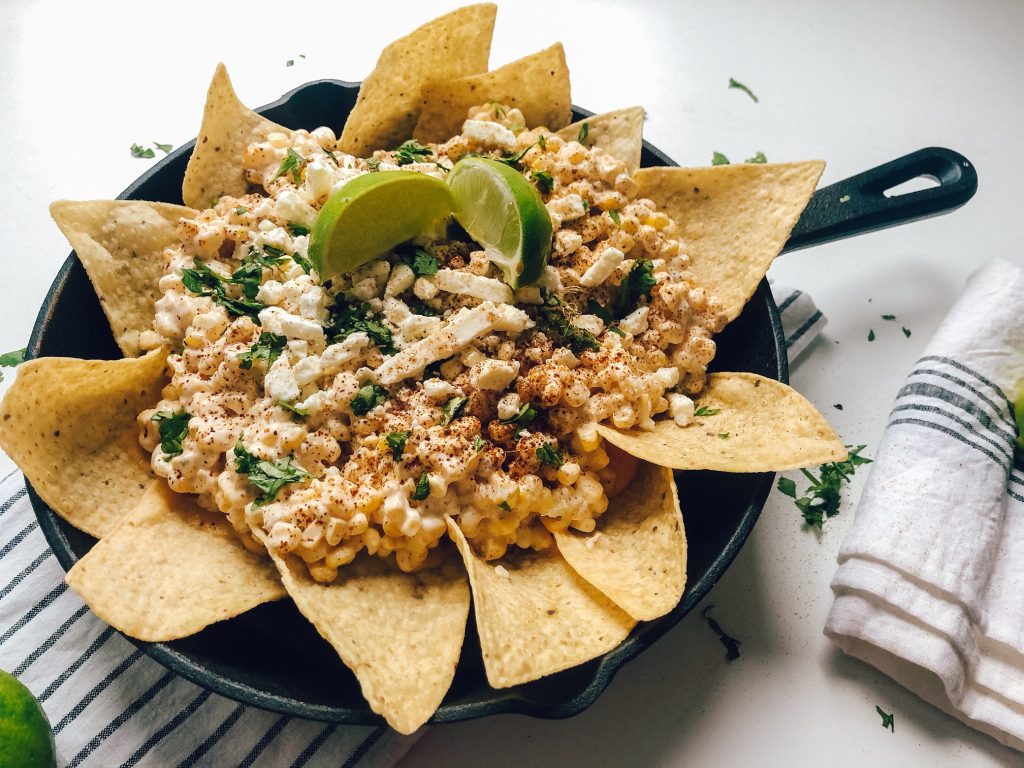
point(855, 83)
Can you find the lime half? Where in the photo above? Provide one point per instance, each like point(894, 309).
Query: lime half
point(373, 213)
point(25, 736)
point(503, 212)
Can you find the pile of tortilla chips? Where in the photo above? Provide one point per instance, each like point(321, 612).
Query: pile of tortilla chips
point(163, 568)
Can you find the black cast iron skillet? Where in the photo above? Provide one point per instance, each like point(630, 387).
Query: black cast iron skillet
point(271, 657)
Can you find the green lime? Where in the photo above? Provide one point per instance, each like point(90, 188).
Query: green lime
point(373, 213)
point(503, 212)
point(25, 736)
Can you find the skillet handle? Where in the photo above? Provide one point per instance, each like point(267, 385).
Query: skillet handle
point(858, 204)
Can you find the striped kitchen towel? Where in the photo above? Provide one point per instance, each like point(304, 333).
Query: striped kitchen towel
point(111, 705)
point(931, 574)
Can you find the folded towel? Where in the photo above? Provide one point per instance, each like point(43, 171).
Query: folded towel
point(930, 585)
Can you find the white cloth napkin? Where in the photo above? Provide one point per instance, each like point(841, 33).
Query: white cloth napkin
point(110, 704)
point(930, 585)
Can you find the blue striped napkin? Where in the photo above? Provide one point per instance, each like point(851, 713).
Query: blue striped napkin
point(931, 574)
point(111, 705)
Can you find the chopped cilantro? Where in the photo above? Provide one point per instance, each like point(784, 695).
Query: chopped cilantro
point(173, 429)
point(420, 307)
point(368, 398)
point(733, 83)
point(871, 334)
point(352, 318)
point(423, 263)
point(732, 645)
point(145, 152)
point(396, 442)
point(821, 499)
point(302, 261)
point(268, 347)
point(758, 158)
point(554, 318)
point(615, 217)
point(505, 505)
point(240, 211)
point(586, 205)
point(584, 132)
point(548, 454)
point(290, 63)
point(479, 443)
point(525, 416)
point(636, 285)
point(292, 408)
point(296, 229)
point(422, 487)
point(888, 720)
point(838, 406)
point(906, 332)
point(269, 477)
point(888, 317)
point(165, 148)
point(293, 163)
point(545, 182)
point(542, 141)
point(452, 409)
point(705, 411)
point(373, 164)
point(411, 151)
point(723, 435)
point(717, 158)
point(203, 281)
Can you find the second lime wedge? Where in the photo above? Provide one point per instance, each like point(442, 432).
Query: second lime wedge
point(373, 213)
point(503, 212)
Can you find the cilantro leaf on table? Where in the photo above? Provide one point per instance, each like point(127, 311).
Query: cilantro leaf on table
point(11, 360)
point(888, 719)
point(732, 645)
point(820, 500)
point(717, 158)
point(734, 83)
point(165, 148)
point(140, 151)
point(757, 158)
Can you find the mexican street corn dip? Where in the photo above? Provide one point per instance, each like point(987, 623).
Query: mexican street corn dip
point(352, 414)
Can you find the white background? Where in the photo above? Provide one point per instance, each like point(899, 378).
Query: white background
point(854, 83)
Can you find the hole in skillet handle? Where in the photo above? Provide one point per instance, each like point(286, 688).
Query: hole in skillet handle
point(861, 204)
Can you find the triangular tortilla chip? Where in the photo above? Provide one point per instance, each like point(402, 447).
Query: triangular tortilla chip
point(733, 219)
point(120, 243)
point(70, 426)
point(399, 633)
point(637, 554)
point(454, 45)
point(619, 133)
point(538, 85)
point(215, 167)
point(170, 568)
point(535, 615)
point(757, 425)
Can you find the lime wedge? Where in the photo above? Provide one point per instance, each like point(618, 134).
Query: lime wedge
point(503, 212)
point(373, 213)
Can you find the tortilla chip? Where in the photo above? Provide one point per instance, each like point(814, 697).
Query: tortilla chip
point(619, 133)
point(733, 219)
point(454, 45)
point(170, 568)
point(535, 615)
point(538, 85)
point(399, 633)
point(215, 167)
point(761, 425)
point(70, 426)
point(121, 243)
point(637, 554)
